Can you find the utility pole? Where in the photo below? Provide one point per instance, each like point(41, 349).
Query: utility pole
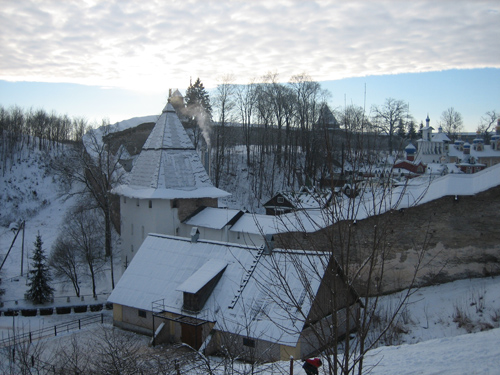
point(22, 248)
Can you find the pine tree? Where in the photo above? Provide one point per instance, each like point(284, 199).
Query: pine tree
point(412, 132)
point(197, 96)
point(198, 111)
point(401, 129)
point(40, 291)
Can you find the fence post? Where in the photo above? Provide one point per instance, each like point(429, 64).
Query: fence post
point(55, 330)
point(177, 368)
point(102, 318)
point(30, 338)
point(291, 365)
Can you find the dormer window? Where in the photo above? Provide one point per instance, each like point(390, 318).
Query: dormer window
point(200, 285)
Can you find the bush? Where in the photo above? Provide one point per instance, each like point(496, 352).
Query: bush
point(97, 307)
point(80, 309)
point(63, 310)
point(28, 312)
point(462, 319)
point(47, 311)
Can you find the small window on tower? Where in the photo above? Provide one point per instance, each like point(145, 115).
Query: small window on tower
point(248, 342)
point(150, 203)
point(137, 202)
point(174, 203)
point(124, 199)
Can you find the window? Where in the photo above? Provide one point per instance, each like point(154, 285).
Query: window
point(248, 342)
point(280, 200)
point(174, 203)
point(142, 314)
point(124, 199)
point(137, 202)
point(150, 203)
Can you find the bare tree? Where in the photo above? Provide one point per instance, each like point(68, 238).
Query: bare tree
point(73, 357)
point(83, 232)
point(93, 166)
point(387, 117)
point(489, 119)
point(223, 105)
point(351, 250)
point(246, 99)
point(451, 122)
point(65, 260)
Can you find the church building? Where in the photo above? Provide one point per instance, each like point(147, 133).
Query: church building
point(433, 148)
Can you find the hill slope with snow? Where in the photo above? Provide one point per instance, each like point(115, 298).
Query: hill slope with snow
point(446, 329)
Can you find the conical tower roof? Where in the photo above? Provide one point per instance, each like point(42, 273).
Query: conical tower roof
point(168, 166)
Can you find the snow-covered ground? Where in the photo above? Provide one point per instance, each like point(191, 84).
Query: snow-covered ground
point(445, 329)
point(43, 213)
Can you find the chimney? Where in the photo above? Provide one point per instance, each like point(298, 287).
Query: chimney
point(269, 244)
point(195, 234)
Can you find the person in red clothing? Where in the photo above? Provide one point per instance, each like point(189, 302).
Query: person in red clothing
point(311, 366)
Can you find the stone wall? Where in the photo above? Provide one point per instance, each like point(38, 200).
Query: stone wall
point(187, 206)
point(450, 238)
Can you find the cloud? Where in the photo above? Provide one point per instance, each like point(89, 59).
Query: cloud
point(151, 45)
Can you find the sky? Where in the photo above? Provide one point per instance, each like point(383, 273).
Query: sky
point(116, 59)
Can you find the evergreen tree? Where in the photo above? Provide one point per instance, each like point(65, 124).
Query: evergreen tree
point(401, 129)
point(197, 97)
point(40, 291)
point(198, 111)
point(412, 131)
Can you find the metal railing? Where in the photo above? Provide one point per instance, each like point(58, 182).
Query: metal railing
point(52, 331)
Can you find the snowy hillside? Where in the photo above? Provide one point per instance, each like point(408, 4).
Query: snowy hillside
point(31, 192)
point(27, 185)
point(446, 329)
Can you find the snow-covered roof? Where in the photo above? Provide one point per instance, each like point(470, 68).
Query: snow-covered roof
point(165, 266)
point(308, 198)
point(258, 224)
point(202, 276)
point(215, 218)
point(304, 221)
point(440, 137)
point(177, 93)
point(486, 152)
point(169, 166)
point(410, 147)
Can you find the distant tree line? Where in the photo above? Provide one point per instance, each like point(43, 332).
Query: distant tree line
point(289, 127)
point(26, 129)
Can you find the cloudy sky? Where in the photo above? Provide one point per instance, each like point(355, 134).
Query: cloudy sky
point(141, 48)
